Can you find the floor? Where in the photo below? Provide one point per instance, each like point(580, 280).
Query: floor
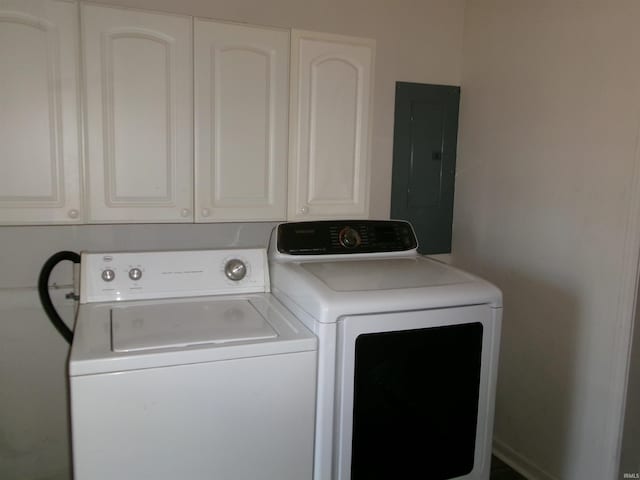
point(502, 471)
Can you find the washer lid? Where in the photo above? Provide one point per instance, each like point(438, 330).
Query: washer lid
point(124, 336)
point(180, 324)
point(384, 274)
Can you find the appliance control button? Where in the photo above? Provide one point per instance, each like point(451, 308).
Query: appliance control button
point(108, 275)
point(349, 237)
point(135, 274)
point(235, 269)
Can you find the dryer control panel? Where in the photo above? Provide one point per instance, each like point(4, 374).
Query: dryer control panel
point(188, 273)
point(332, 237)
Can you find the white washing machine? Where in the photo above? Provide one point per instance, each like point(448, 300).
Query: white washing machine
point(407, 354)
point(184, 366)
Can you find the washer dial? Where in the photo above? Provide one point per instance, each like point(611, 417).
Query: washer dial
point(108, 275)
point(135, 274)
point(235, 269)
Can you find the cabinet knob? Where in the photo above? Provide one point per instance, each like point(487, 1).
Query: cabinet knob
point(73, 213)
point(185, 212)
point(206, 212)
point(304, 210)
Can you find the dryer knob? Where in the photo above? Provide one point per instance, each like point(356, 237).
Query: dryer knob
point(349, 237)
point(235, 269)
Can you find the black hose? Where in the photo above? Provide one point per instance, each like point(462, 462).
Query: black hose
point(43, 291)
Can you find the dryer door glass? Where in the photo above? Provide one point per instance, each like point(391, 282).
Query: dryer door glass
point(415, 404)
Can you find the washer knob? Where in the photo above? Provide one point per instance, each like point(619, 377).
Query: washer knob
point(108, 275)
point(135, 274)
point(235, 269)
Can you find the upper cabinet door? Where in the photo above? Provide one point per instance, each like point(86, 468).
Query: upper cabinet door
point(331, 91)
point(139, 115)
point(241, 112)
point(39, 129)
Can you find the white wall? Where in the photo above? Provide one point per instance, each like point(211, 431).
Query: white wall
point(545, 177)
point(416, 41)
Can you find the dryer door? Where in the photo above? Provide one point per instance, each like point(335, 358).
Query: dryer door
point(415, 394)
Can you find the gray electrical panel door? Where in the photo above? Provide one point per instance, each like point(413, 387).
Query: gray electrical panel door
point(424, 161)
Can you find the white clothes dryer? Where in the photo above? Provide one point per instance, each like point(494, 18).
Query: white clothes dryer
point(408, 351)
point(183, 366)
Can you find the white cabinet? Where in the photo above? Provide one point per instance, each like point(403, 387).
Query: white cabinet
point(254, 118)
point(139, 115)
point(241, 121)
point(331, 86)
point(39, 128)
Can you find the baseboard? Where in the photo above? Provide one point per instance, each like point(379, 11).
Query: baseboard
point(519, 463)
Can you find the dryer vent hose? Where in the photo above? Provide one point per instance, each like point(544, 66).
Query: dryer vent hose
point(43, 291)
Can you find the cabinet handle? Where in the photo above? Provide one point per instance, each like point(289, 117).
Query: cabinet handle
point(185, 212)
point(206, 212)
point(73, 213)
point(304, 210)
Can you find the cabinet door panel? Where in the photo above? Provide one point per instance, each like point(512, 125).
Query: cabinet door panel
point(39, 141)
point(241, 104)
point(139, 104)
point(333, 131)
point(139, 109)
point(330, 108)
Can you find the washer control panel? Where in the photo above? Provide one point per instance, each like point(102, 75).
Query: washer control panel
point(332, 237)
point(108, 277)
